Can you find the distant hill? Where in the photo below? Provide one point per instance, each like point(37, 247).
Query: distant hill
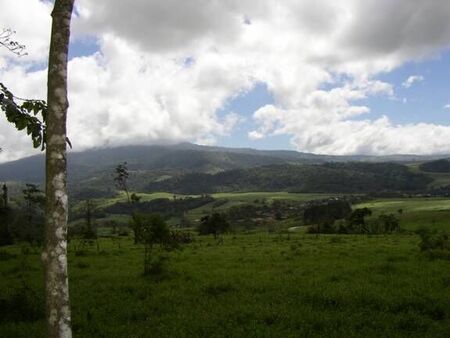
point(438, 166)
point(184, 157)
point(352, 177)
point(90, 172)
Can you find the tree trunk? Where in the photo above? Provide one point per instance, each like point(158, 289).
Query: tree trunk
point(56, 209)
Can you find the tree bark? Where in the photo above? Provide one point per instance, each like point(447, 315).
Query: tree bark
point(56, 209)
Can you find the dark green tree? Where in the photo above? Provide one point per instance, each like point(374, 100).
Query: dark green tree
point(6, 237)
point(214, 224)
point(121, 178)
point(89, 230)
point(4, 199)
point(135, 198)
point(154, 233)
point(32, 229)
point(388, 223)
point(357, 220)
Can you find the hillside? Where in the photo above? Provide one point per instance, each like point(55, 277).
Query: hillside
point(438, 166)
point(190, 168)
point(350, 177)
point(180, 158)
point(184, 157)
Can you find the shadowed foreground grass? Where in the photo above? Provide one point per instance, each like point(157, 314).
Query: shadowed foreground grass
point(254, 285)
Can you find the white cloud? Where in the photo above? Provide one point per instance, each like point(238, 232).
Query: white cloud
point(255, 135)
point(412, 80)
point(139, 88)
point(31, 22)
point(447, 106)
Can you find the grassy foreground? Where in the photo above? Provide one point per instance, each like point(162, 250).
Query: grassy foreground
point(253, 285)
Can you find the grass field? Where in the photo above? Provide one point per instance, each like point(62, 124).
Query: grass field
point(256, 285)
point(122, 197)
point(415, 212)
point(253, 285)
point(249, 197)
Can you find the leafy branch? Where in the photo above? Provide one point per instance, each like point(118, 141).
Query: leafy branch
point(29, 115)
point(25, 115)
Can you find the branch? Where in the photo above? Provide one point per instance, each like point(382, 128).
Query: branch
point(11, 45)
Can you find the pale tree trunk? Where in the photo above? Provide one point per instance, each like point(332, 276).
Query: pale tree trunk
point(56, 209)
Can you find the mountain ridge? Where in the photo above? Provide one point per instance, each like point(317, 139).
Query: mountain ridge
point(183, 157)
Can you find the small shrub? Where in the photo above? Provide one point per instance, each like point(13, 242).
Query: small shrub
point(435, 244)
point(153, 232)
point(431, 240)
point(181, 237)
point(6, 256)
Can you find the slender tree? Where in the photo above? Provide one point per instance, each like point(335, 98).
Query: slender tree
point(121, 178)
point(56, 209)
point(5, 196)
point(50, 131)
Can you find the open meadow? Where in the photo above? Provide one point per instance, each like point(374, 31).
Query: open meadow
point(248, 284)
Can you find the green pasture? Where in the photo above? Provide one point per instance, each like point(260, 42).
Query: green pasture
point(249, 197)
point(252, 285)
point(414, 212)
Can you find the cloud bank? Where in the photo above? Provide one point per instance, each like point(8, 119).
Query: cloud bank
point(165, 68)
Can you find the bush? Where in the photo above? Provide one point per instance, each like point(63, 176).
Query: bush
point(180, 237)
point(433, 240)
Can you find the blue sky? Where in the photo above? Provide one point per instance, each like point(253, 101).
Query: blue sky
point(425, 100)
point(246, 104)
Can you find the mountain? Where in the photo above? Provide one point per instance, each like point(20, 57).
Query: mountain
point(90, 172)
point(184, 157)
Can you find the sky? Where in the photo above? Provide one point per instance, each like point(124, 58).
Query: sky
point(321, 76)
